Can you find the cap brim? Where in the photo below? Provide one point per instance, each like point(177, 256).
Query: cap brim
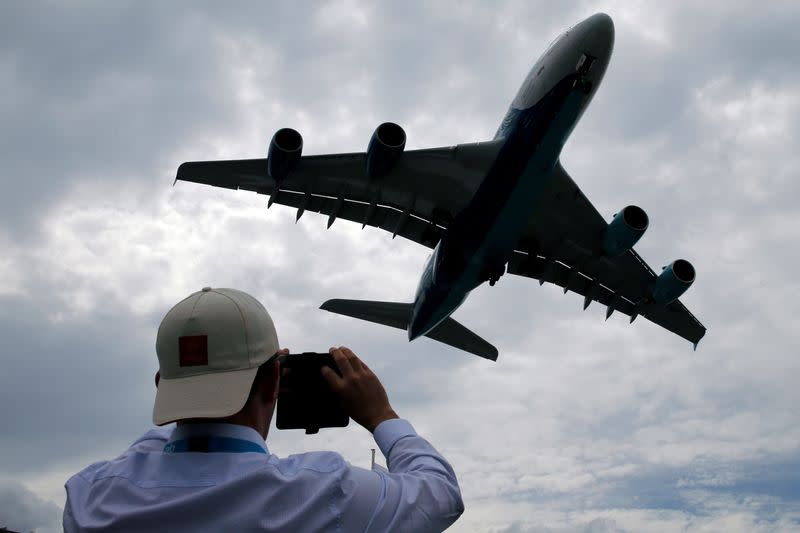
point(212, 395)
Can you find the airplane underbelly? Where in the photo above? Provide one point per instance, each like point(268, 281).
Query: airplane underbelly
point(487, 231)
point(512, 219)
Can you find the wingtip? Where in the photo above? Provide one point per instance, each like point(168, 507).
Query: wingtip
point(330, 305)
point(179, 173)
point(695, 343)
point(492, 354)
point(486, 352)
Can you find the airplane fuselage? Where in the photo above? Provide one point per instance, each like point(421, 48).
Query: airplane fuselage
point(481, 239)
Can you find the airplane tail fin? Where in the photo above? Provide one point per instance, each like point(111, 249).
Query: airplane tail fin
point(398, 315)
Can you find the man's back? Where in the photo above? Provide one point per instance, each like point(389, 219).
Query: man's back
point(219, 379)
point(148, 488)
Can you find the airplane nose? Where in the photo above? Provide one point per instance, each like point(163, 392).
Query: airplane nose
point(601, 19)
point(599, 36)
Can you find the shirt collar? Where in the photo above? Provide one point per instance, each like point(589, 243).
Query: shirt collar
point(231, 431)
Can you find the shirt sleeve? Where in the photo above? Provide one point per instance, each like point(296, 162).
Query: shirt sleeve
point(419, 492)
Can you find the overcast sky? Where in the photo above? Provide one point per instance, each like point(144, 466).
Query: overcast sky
point(581, 425)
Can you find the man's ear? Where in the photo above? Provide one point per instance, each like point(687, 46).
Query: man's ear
point(271, 386)
point(158, 377)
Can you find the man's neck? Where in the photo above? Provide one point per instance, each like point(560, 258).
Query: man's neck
point(240, 419)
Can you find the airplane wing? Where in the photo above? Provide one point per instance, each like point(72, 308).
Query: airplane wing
point(416, 200)
point(558, 245)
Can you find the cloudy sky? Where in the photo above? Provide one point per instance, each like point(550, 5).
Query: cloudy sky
point(582, 425)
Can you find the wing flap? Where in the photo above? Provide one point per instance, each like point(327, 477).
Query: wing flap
point(569, 228)
point(548, 270)
point(676, 318)
point(404, 224)
point(416, 200)
point(560, 245)
point(673, 317)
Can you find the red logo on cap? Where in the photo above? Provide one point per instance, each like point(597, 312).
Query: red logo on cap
point(193, 350)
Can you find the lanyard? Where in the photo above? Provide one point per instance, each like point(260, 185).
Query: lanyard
point(212, 444)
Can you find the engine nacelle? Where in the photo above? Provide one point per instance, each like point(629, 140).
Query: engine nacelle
point(625, 230)
point(673, 281)
point(385, 148)
point(285, 150)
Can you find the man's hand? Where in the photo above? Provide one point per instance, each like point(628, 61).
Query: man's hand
point(359, 388)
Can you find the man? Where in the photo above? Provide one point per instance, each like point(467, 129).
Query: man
point(218, 379)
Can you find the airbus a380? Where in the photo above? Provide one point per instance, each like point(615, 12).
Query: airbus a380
point(506, 205)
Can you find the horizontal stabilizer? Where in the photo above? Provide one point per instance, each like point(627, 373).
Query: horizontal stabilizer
point(451, 332)
point(398, 315)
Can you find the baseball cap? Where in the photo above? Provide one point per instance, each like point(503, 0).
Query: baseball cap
point(209, 348)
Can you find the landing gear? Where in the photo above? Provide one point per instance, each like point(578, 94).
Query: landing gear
point(495, 274)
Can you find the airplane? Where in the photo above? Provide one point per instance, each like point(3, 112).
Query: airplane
point(485, 208)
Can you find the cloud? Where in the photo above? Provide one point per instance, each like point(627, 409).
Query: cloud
point(22, 510)
point(598, 525)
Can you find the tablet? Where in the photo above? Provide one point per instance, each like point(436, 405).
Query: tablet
point(305, 401)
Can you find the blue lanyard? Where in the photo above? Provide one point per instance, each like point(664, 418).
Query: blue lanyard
point(212, 444)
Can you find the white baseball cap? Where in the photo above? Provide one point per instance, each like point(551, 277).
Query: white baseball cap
point(209, 348)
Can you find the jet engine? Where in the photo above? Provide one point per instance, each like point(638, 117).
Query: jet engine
point(285, 149)
point(625, 230)
point(673, 281)
point(385, 148)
